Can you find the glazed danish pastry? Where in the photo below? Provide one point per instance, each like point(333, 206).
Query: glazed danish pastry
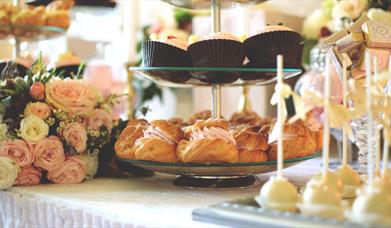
point(159, 142)
point(125, 146)
point(209, 141)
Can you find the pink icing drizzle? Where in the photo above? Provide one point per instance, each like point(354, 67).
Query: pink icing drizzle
point(213, 133)
point(152, 132)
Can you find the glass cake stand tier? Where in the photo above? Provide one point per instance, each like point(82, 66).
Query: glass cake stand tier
point(205, 4)
point(30, 33)
point(219, 175)
point(208, 76)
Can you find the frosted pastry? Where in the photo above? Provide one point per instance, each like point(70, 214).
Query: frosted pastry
point(159, 142)
point(246, 117)
point(372, 207)
point(203, 115)
point(322, 199)
point(298, 142)
point(29, 17)
point(278, 194)
point(125, 146)
point(350, 179)
point(58, 18)
point(61, 5)
point(252, 145)
point(209, 141)
point(274, 28)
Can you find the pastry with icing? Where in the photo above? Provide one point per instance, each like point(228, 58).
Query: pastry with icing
point(298, 142)
point(203, 115)
point(125, 145)
point(246, 117)
point(208, 141)
point(252, 146)
point(58, 18)
point(159, 142)
point(278, 194)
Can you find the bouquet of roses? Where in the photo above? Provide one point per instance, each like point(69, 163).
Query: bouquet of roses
point(51, 128)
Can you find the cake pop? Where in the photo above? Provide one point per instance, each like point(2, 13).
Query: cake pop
point(322, 196)
point(373, 204)
point(350, 178)
point(278, 193)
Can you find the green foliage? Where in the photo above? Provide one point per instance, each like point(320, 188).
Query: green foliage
point(182, 15)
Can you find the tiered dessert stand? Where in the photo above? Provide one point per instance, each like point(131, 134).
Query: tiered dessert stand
point(29, 33)
point(213, 175)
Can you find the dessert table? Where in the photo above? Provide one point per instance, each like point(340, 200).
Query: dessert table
point(131, 202)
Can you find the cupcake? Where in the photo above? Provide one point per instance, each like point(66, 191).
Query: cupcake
point(168, 52)
point(217, 50)
point(263, 48)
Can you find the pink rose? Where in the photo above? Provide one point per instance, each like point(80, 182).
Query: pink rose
point(37, 91)
point(39, 109)
point(28, 176)
point(72, 171)
point(99, 118)
point(49, 153)
point(19, 151)
point(72, 96)
point(75, 135)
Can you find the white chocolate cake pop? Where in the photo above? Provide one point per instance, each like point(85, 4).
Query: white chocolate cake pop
point(371, 207)
point(278, 194)
point(332, 180)
point(322, 200)
point(350, 179)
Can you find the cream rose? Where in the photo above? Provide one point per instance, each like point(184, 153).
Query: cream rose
point(49, 153)
point(73, 96)
point(33, 129)
point(91, 163)
point(349, 8)
point(28, 176)
point(75, 135)
point(39, 109)
point(3, 131)
point(72, 171)
point(99, 118)
point(9, 171)
point(18, 150)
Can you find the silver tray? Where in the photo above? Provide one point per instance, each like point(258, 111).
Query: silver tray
point(246, 213)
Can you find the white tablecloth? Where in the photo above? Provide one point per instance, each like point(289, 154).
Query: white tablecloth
point(131, 202)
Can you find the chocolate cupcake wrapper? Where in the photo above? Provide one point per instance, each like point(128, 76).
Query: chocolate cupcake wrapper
point(158, 54)
point(262, 49)
point(217, 53)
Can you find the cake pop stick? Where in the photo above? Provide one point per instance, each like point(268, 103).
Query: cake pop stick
point(280, 147)
point(369, 115)
point(345, 103)
point(326, 124)
point(377, 131)
point(385, 154)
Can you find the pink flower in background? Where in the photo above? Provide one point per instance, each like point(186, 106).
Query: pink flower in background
point(28, 176)
point(49, 153)
point(39, 109)
point(75, 135)
point(37, 91)
point(72, 96)
point(72, 171)
point(99, 118)
point(19, 151)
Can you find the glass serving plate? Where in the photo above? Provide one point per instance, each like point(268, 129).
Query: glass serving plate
point(216, 169)
point(205, 4)
point(207, 76)
point(30, 33)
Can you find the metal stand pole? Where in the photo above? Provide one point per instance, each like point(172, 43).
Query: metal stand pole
point(216, 27)
point(16, 49)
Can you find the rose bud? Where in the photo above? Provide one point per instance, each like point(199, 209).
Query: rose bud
point(37, 91)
